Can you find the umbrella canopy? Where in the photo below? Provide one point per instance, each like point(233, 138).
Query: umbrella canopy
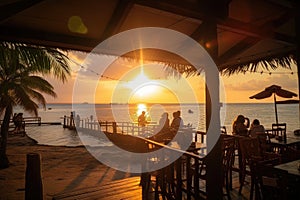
point(276, 90)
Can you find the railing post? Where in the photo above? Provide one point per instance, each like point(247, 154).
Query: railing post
point(64, 121)
point(114, 127)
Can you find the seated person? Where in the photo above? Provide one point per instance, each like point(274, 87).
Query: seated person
point(240, 126)
point(177, 122)
point(255, 128)
point(142, 119)
point(163, 129)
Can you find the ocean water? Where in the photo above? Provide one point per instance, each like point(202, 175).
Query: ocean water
point(193, 114)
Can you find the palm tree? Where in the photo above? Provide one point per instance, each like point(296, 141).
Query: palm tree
point(21, 83)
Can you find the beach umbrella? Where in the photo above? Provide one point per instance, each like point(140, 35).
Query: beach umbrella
point(274, 90)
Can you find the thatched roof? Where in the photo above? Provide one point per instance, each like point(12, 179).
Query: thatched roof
point(247, 32)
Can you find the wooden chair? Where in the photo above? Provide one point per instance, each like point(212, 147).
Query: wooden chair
point(270, 182)
point(228, 153)
point(279, 131)
point(228, 148)
point(266, 149)
point(251, 153)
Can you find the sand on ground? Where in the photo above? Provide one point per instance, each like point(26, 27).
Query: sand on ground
point(62, 168)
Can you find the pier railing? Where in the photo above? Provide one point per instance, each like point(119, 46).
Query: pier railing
point(128, 128)
point(25, 121)
point(125, 128)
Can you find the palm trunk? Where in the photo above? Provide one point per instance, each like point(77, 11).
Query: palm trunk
point(4, 133)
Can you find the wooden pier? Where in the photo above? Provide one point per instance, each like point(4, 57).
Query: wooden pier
point(124, 128)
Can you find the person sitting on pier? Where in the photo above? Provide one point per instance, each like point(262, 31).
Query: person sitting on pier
point(163, 129)
point(19, 125)
point(177, 122)
point(142, 119)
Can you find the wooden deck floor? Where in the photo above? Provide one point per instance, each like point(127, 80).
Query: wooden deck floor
point(129, 189)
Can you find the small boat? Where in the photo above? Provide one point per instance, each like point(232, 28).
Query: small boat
point(49, 108)
point(190, 111)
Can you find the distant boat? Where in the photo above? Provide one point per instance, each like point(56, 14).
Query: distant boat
point(50, 108)
point(190, 111)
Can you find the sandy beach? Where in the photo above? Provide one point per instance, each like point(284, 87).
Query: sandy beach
point(63, 169)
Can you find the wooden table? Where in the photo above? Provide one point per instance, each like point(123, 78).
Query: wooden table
point(293, 180)
point(281, 145)
point(290, 141)
point(291, 167)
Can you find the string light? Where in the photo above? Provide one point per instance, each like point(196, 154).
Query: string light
point(92, 71)
point(114, 79)
point(268, 72)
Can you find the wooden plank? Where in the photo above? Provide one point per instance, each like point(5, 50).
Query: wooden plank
point(119, 187)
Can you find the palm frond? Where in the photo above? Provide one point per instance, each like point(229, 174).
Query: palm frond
point(272, 63)
point(39, 84)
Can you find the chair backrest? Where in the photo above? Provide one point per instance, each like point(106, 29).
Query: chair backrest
point(250, 150)
point(228, 148)
point(279, 130)
point(264, 141)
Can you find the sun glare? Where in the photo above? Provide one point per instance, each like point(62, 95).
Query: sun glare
point(139, 80)
point(147, 90)
point(140, 108)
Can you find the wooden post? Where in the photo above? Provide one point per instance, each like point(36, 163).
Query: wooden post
point(209, 40)
point(33, 179)
point(114, 127)
point(297, 28)
point(64, 121)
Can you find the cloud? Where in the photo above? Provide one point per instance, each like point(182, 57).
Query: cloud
point(262, 81)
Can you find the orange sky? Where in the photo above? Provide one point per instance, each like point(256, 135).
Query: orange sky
point(150, 84)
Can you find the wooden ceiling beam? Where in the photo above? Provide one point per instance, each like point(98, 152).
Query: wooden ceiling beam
point(11, 9)
point(118, 17)
point(193, 9)
point(47, 39)
point(238, 48)
point(250, 40)
point(227, 24)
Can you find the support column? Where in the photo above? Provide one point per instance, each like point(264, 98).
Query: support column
point(214, 182)
point(297, 28)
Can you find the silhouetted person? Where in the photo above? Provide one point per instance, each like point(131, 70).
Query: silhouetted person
point(240, 126)
point(163, 132)
point(255, 128)
point(142, 119)
point(177, 122)
point(18, 121)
